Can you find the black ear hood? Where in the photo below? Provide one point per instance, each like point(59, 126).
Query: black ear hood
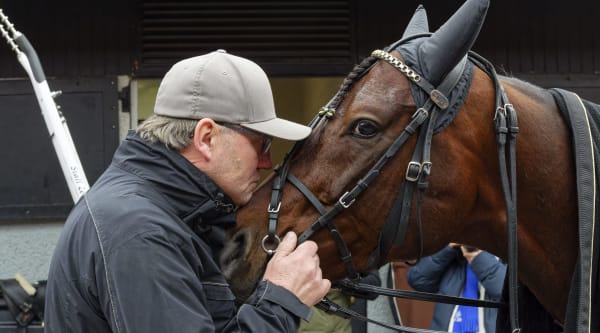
point(418, 24)
point(434, 56)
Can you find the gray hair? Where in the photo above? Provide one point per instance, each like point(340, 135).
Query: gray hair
point(174, 133)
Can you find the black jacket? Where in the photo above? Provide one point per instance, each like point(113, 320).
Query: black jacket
point(139, 251)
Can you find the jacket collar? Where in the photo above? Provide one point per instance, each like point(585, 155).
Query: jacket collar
point(190, 193)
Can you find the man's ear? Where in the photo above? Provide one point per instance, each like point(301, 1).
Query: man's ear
point(204, 134)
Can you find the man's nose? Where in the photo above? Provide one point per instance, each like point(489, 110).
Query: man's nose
point(264, 161)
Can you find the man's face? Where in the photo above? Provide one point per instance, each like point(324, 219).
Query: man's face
point(244, 153)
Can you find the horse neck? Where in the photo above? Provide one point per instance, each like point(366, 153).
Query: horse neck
point(547, 234)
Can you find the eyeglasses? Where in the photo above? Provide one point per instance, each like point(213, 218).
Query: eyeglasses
point(266, 139)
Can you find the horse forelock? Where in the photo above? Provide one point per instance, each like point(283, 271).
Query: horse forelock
point(357, 72)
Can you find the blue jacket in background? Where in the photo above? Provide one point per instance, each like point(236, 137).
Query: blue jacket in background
point(444, 272)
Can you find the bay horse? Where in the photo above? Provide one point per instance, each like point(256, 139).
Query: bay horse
point(462, 199)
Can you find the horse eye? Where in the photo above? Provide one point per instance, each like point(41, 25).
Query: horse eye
point(365, 129)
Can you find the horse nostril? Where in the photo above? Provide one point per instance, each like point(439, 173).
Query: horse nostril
point(233, 253)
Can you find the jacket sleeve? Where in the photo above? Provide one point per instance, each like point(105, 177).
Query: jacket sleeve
point(490, 272)
point(271, 309)
point(153, 288)
point(426, 275)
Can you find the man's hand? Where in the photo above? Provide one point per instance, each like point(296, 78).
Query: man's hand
point(469, 252)
point(297, 269)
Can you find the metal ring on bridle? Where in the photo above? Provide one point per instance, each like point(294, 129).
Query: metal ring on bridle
point(275, 241)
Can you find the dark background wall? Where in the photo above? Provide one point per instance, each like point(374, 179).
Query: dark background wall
point(32, 184)
point(144, 37)
point(74, 38)
point(551, 43)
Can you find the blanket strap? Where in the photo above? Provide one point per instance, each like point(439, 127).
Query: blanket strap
point(579, 308)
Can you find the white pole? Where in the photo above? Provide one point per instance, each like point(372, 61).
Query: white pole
point(54, 119)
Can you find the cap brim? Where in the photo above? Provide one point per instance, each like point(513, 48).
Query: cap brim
point(280, 128)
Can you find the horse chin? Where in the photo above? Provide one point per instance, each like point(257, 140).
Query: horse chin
point(241, 273)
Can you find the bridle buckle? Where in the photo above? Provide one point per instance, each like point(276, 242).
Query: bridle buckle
point(412, 168)
point(274, 210)
point(341, 200)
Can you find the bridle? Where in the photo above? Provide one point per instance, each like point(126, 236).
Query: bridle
point(418, 169)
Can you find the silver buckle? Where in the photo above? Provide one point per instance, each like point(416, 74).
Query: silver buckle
point(426, 167)
point(276, 210)
point(420, 110)
point(408, 169)
point(341, 200)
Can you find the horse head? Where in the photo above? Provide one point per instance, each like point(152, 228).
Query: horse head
point(372, 109)
point(404, 159)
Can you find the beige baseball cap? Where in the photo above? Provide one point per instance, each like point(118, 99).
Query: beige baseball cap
point(225, 88)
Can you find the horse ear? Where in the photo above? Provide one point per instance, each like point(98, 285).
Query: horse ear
point(418, 23)
point(451, 42)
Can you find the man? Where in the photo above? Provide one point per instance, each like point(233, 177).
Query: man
point(139, 251)
point(459, 270)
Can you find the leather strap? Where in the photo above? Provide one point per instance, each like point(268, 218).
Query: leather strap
point(506, 133)
point(23, 307)
point(580, 298)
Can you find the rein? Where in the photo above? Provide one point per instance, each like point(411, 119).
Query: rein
point(418, 169)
